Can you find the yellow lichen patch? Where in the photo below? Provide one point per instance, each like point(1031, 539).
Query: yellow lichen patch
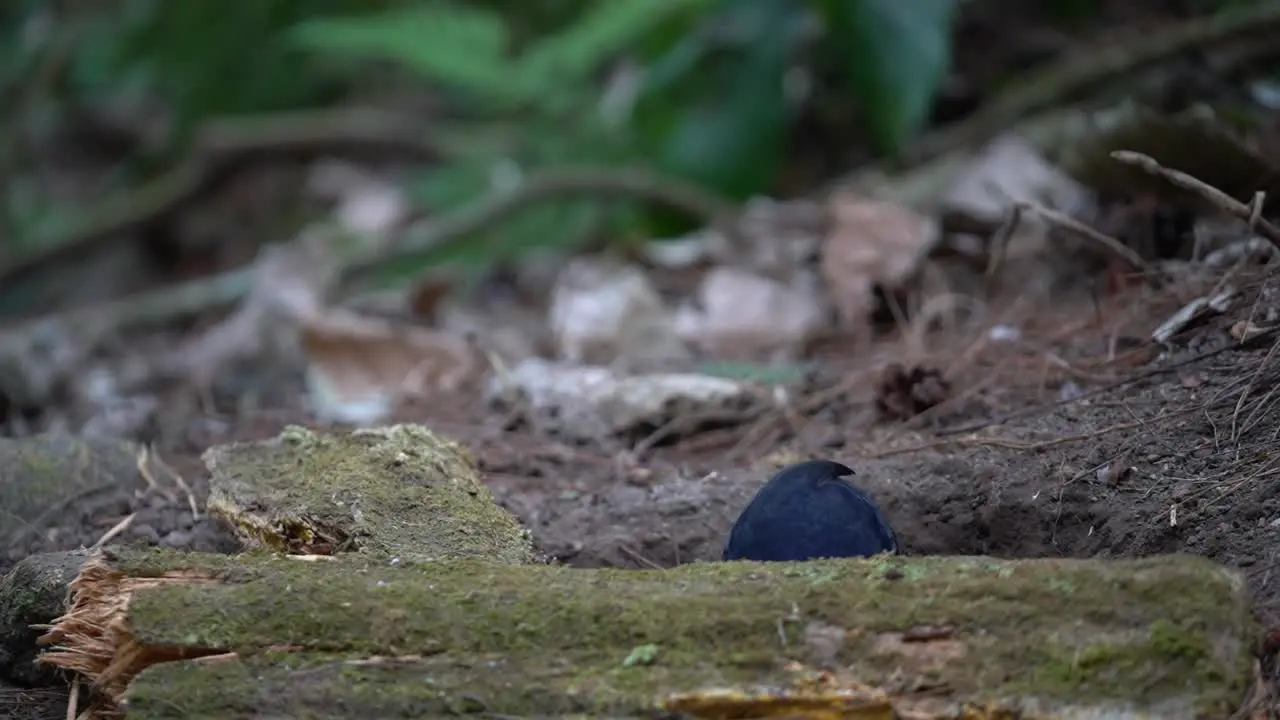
point(808, 700)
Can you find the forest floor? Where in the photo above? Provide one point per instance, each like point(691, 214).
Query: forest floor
point(1082, 438)
point(1063, 443)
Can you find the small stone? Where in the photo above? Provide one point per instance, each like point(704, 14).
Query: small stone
point(145, 533)
point(177, 539)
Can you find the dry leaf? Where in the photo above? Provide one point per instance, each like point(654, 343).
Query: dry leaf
point(359, 366)
point(290, 283)
point(367, 205)
point(602, 312)
point(1010, 170)
point(781, 235)
point(740, 314)
point(590, 403)
point(871, 242)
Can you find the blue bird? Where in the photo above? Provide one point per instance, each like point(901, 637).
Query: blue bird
point(808, 511)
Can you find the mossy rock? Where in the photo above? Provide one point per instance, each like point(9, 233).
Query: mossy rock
point(400, 491)
point(32, 593)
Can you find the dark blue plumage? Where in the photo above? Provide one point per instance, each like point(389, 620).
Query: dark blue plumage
point(809, 511)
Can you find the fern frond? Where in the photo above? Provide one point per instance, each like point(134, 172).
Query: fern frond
point(604, 30)
point(463, 47)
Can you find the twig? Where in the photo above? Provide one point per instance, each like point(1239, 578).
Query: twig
point(73, 701)
point(178, 480)
point(451, 231)
point(1252, 341)
point(1000, 242)
point(1226, 203)
point(975, 441)
point(220, 148)
point(641, 559)
point(114, 531)
point(1106, 242)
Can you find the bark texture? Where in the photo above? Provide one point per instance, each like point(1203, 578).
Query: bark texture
point(265, 635)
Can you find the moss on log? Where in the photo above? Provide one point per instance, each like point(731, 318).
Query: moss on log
point(363, 636)
point(401, 491)
point(32, 594)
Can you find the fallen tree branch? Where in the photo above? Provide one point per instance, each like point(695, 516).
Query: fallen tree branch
point(1249, 215)
point(219, 149)
point(449, 231)
point(268, 635)
point(218, 292)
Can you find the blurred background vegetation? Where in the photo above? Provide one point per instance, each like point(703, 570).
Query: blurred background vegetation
point(743, 97)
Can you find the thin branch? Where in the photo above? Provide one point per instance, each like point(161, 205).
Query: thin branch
point(1250, 215)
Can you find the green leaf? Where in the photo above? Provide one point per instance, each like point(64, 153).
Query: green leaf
point(730, 136)
point(558, 226)
point(604, 30)
point(755, 372)
point(642, 655)
point(463, 47)
point(898, 52)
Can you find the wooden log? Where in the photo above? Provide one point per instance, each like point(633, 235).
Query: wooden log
point(34, 592)
point(400, 491)
point(170, 635)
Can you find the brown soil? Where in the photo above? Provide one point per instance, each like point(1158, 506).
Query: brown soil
point(1155, 450)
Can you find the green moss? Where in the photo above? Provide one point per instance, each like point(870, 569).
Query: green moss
point(1185, 643)
point(526, 639)
point(398, 491)
point(33, 593)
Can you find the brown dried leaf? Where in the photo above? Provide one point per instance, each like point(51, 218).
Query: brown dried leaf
point(603, 312)
point(360, 366)
point(870, 243)
point(740, 314)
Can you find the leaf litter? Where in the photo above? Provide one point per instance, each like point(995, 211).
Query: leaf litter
point(624, 443)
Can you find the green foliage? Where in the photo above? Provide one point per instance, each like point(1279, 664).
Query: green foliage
point(897, 55)
point(711, 106)
point(205, 57)
point(546, 89)
point(725, 124)
point(457, 46)
point(525, 83)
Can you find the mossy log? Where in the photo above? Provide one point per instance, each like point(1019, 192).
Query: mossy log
point(34, 592)
point(171, 635)
point(400, 491)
